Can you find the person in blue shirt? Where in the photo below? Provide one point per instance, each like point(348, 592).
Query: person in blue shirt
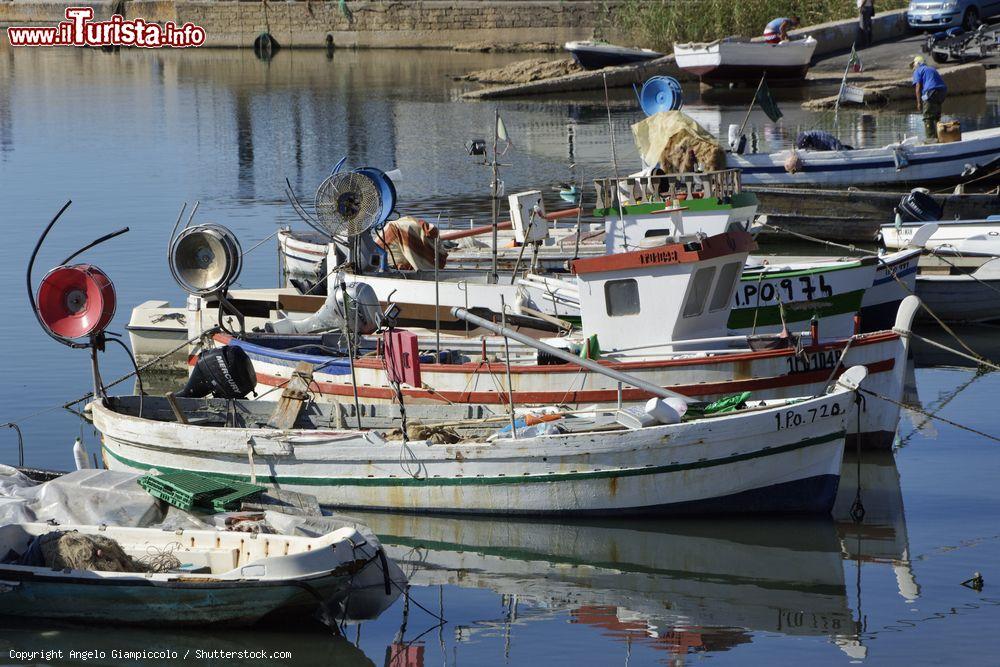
point(930, 91)
point(777, 30)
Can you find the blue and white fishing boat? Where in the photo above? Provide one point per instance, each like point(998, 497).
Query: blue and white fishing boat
point(910, 162)
point(596, 55)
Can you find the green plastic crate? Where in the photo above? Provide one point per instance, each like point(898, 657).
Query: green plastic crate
point(191, 491)
point(185, 490)
point(240, 491)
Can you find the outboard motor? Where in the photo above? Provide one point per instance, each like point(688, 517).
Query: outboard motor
point(919, 206)
point(361, 312)
point(224, 372)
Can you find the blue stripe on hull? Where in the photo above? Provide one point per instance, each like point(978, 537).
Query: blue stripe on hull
point(874, 163)
point(899, 274)
point(813, 495)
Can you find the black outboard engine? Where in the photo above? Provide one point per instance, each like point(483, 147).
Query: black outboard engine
point(919, 206)
point(224, 372)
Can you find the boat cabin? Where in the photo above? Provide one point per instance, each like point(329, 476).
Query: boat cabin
point(674, 292)
point(646, 209)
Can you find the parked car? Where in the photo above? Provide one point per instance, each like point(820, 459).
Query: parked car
point(940, 15)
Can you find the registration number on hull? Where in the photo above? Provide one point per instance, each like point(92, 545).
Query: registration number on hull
point(794, 418)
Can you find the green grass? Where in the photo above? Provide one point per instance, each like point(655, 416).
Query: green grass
point(657, 24)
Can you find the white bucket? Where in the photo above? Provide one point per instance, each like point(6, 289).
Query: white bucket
point(666, 410)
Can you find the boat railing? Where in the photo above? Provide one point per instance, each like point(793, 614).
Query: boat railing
point(665, 188)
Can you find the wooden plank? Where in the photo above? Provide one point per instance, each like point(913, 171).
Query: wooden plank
point(293, 398)
point(178, 413)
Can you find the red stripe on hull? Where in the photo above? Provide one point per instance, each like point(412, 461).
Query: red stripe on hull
point(575, 397)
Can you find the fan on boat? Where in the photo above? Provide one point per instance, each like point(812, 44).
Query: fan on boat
point(350, 203)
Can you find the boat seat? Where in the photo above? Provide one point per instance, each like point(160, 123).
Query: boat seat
point(219, 561)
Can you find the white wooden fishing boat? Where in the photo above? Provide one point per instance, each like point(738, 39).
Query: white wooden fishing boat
point(775, 296)
point(740, 60)
point(908, 163)
point(226, 578)
point(895, 279)
point(783, 456)
point(303, 253)
point(622, 296)
point(592, 54)
point(785, 293)
point(962, 295)
point(949, 233)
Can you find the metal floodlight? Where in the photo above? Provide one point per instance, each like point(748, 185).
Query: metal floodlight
point(476, 147)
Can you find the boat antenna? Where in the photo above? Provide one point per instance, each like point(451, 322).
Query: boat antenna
point(753, 101)
point(614, 162)
point(495, 195)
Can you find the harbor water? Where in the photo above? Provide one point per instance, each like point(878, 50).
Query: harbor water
point(130, 136)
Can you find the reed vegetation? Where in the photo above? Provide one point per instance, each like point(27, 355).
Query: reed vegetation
point(657, 24)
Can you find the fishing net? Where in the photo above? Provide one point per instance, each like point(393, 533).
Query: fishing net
point(677, 143)
point(76, 551)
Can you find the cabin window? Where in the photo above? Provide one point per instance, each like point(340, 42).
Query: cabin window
point(621, 297)
point(724, 288)
point(698, 291)
point(654, 233)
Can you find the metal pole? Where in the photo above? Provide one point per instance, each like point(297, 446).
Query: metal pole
point(569, 357)
point(840, 94)
point(506, 358)
point(350, 356)
point(495, 195)
point(753, 101)
point(437, 302)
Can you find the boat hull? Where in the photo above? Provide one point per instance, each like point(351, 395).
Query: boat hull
point(853, 215)
point(731, 61)
point(139, 603)
point(783, 459)
point(597, 56)
point(767, 374)
point(960, 298)
point(933, 163)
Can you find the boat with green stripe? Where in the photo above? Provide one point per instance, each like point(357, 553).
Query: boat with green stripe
point(773, 296)
point(776, 456)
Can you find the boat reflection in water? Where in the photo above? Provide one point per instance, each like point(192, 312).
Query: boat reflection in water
point(881, 536)
point(679, 586)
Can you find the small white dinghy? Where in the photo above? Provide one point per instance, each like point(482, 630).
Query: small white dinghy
point(221, 578)
point(949, 233)
point(740, 60)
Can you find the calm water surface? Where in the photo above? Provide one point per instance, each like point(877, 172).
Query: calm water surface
point(130, 136)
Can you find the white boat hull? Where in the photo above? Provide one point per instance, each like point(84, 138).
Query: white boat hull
point(731, 61)
point(785, 458)
point(872, 166)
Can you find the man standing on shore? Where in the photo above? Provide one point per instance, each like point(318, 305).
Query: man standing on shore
point(777, 30)
point(866, 12)
point(930, 91)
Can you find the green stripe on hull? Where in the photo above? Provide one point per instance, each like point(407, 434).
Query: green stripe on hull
point(705, 204)
point(798, 311)
point(494, 481)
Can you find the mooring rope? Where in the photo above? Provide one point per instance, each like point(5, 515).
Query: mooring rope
point(975, 355)
point(931, 415)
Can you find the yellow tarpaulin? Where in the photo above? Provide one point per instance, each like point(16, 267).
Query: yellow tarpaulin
point(677, 143)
